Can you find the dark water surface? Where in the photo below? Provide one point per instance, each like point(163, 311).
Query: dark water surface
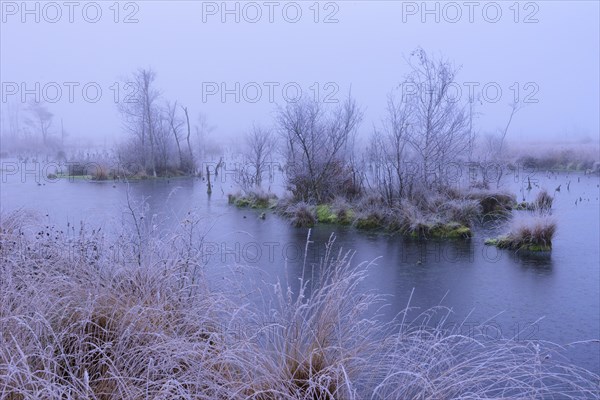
point(504, 291)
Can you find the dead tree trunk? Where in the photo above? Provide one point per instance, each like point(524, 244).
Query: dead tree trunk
point(209, 188)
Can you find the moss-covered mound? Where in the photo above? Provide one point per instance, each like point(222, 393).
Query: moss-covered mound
point(370, 221)
point(257, 200)
point(451, 230)
point(506, 242)
point(326, 215)
point(533, 235)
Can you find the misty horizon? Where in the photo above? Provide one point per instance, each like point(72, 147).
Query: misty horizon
point(237, 73)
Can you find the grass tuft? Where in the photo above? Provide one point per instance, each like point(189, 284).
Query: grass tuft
point(301, 215)
point(543, 201)
point(531, 234)
point(254, 199)
point(493, 203)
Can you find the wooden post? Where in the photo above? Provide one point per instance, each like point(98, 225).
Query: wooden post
point(209, 189)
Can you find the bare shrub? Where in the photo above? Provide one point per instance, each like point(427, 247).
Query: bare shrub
point(317, 148)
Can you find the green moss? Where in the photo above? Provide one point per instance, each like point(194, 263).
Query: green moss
point(505, 242)
point(502, 242)
point(328, 215)
point(491, 242)
point(253, 201)
point(67, 176)
point(242, 202)
point(260, 202)
point(458, 232)
point(346, 217)
point(536, 247)
point(419, 231)
point(452, 230)
point(521, 206)
point(325, 214)
point(436, 231)
point(370, 222)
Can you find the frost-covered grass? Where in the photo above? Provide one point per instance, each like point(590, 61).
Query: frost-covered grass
point(441, 218)
point(87, 317)
point(533, 233)
point(443, 214)
point(254, 199)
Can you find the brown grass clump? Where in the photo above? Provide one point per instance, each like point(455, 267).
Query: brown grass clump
point(493, 203)
point(463, 211)
point(301, 214)
point(533, 234)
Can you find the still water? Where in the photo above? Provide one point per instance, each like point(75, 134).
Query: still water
point(553, 297)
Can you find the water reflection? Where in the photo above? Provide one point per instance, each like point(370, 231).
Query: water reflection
point(541, 263)
point(473, 279)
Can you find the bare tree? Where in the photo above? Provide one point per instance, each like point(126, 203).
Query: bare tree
point(317, 143)
point(388, 151)
point(439, 129)
point(145, 80)
point(473, 114)
point(494, 144)
point(175, 125)
point(203, 129)
point(181, 130)
point(514, 108)
point(133, 121)
point(40, 119)
point(191, 161)
point(260, 145)
point(141, 115)
point(163, 143)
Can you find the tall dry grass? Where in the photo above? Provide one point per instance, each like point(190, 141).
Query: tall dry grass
point(543, 201)
point(533, 232)
point(83, 316)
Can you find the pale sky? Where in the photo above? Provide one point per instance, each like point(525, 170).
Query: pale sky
point(546, 50)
